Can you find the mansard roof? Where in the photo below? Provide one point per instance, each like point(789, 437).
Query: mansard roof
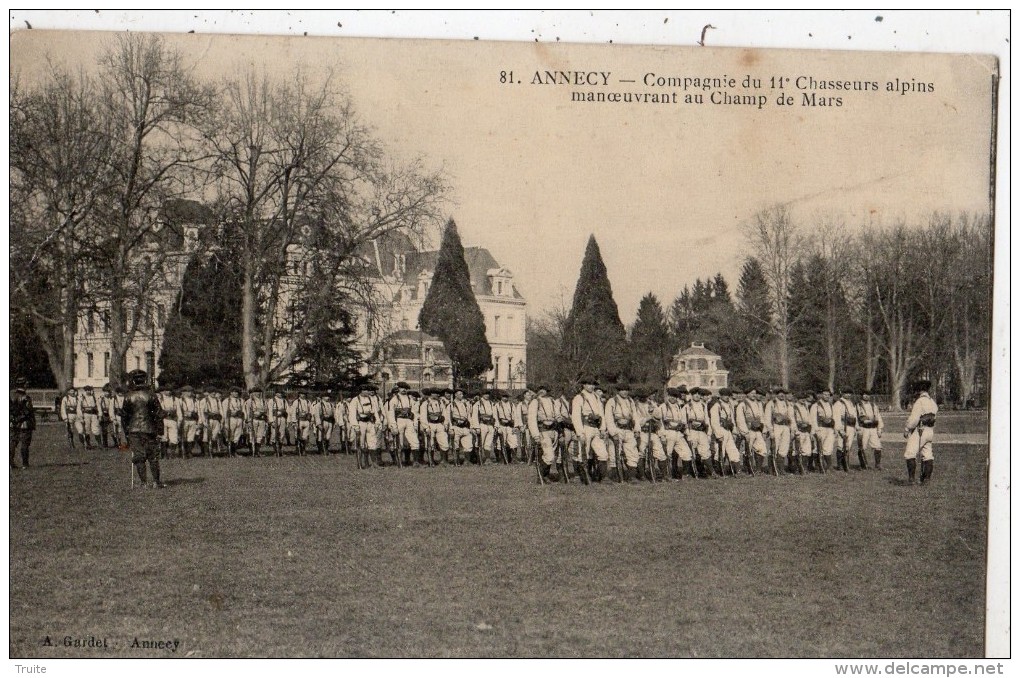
point(383, 257)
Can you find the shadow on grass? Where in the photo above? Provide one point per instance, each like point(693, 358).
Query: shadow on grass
point(59, 464)
point(183, 481)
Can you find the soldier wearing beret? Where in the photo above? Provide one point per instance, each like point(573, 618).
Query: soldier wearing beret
point(869, 420)
point(723, 421)
point(588, 416)
point(88, 417)
point(844, 412)
point(622, 425)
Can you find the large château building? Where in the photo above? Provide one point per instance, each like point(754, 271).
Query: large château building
point(388, 335)
point(404, 275)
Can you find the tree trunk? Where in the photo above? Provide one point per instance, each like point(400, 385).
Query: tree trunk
point(783, 334)
point(118, 350)
point(870, 352)
point(252, 378)
point(830, 345)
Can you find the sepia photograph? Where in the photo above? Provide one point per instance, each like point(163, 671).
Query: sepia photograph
point(483, 348)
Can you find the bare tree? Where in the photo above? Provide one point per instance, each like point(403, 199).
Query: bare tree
point(891, 275)
point(969, 303)
point(60, 168)
point(833, 248)
point(152, 103)
point(776, 242)
point(307, 186)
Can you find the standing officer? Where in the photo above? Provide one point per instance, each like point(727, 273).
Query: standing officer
point(402, 418)
point(69, 415)
point(869, 417)
point(920, 433)
point(365, 417)
point(844, 412)
point(588, 415)
point(88, 417)
point(258, 412)
point(778, 417)
point(823, 424)
point(621, 425)
point(696, 414)
point(233, 418)
point(542, 425)
point(22, 423)
point(141, 418)
point(722, 419)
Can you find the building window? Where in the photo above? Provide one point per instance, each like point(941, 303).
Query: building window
point(74, 365)
point(138, 363)
point(499, 288)
point(150, 362)
point(92, 322)
point(160, 315)
point(510, 327)
point(106, 364)
point(104, 320)
point(91, 363)
point(498, 329)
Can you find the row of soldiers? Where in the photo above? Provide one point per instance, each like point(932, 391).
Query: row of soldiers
point(632, 434)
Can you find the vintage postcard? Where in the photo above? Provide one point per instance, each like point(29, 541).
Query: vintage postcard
point(429, 348)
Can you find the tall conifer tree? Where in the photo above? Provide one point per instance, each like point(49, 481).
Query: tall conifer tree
point(451, 312)
point(202, 338)
point(650, 343)
point(594, 339)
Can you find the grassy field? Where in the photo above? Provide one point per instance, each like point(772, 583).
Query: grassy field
point(310, 557)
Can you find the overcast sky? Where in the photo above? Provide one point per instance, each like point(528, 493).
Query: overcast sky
point(664, 188)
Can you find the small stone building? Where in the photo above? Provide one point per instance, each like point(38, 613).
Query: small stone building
point(412, 356)
point(697, 366)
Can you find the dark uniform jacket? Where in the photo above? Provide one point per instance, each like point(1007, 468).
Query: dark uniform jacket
point(142, 412)
point(22, 412)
